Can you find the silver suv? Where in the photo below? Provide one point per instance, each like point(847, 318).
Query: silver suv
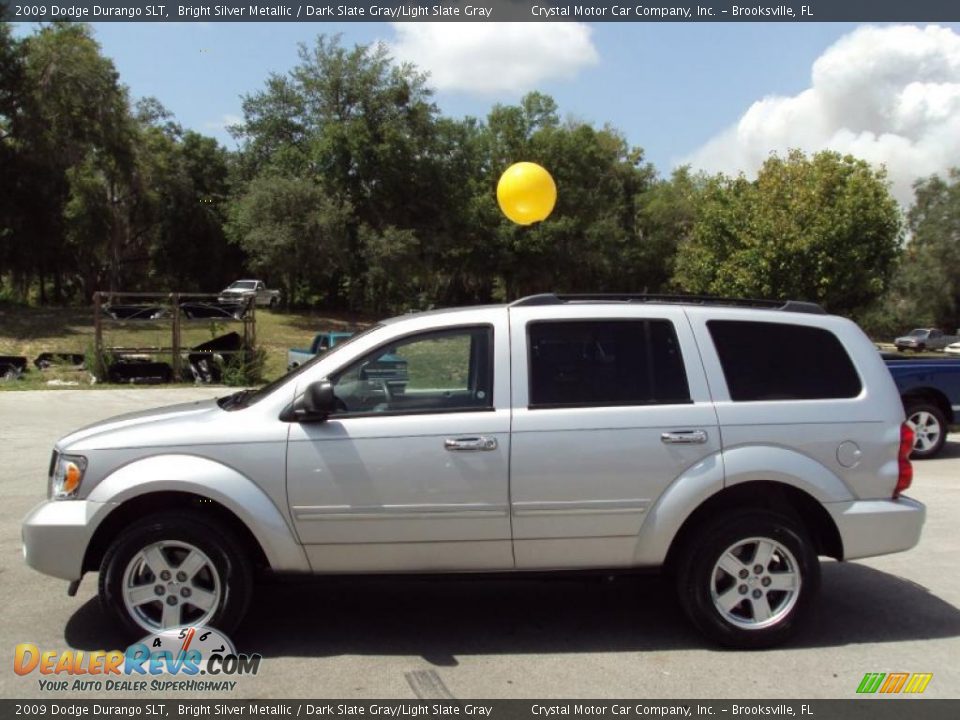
point(729, 442)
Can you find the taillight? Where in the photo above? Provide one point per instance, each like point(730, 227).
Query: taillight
point(905, 476)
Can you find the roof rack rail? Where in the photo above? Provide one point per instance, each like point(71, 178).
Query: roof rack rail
point(799, 306)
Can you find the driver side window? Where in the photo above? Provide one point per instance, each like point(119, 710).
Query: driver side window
point(444, 371)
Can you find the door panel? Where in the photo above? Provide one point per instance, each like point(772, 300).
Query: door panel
point(583, 478)
point(593, 475)
point(412, 473)
point(391, 479)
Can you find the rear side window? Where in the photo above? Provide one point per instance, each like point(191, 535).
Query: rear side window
point(589, 363)
point(776, 361)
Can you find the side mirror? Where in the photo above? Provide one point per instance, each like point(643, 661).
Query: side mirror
point(316, 403)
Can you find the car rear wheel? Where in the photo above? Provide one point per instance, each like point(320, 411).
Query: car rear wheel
point(929, 428)
point(171, 570)
point(747, 579)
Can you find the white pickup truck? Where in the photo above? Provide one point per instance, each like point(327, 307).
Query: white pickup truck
point(243, 289)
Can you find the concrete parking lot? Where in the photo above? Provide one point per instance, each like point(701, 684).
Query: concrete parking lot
point(482, 638)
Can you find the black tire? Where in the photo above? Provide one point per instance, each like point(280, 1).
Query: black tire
point(698, 577)
point(936, 428)
point(273, 303)
point(218, 543)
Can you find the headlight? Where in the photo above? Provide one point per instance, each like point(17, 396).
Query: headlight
point(67, 476)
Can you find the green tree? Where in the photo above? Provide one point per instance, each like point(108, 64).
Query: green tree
point(13, 256)
point(291, 230)
point(68, 129)
point(599, 178)
point(359, 125)
point(823, 228)
point(926, 288)
point(417, 191)
point(666, 213)
point(189, 179)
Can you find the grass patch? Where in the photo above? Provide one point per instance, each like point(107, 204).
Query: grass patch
point(438, 364)
point(28, 331)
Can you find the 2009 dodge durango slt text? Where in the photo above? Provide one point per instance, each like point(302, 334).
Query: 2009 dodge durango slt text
point(729, 442)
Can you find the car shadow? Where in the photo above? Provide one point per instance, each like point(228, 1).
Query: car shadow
point(441, 618)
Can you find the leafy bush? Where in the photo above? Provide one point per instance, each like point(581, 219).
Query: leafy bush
point(97, 366)
point(245, 368)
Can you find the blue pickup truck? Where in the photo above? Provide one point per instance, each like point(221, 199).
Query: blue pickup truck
point(321, 343)
point(930, 390)
point(385, 374)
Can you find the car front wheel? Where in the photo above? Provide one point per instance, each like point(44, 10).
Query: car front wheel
point(747, 579)
point(175, 569)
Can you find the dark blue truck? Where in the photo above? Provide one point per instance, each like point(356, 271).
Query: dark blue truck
point(930, 390)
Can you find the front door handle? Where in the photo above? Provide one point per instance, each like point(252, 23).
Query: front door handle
point(470, 444)
point(684, 437)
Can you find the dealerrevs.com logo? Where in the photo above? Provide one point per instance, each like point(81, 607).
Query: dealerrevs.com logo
point(168, 661)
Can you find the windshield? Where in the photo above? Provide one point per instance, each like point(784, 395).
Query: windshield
point(917, 333)
point(243, 285)
point(246, 398)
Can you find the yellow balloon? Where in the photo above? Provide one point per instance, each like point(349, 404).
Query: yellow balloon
point(526, 193)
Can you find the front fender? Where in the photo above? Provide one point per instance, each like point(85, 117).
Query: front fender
point(207, 478)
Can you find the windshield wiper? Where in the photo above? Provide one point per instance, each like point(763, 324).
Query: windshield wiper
point(233, 400)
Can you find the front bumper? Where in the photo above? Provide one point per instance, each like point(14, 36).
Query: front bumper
point(56, 534)
point(878, 527)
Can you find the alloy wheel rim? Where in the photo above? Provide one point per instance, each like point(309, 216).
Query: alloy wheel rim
point(169, 584)
point(755, 583)
point(926, 430)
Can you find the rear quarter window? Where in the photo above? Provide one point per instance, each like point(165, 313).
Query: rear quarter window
point(778, 361)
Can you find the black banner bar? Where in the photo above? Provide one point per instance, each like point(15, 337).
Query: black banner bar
point(483, 11)
point(874, 708)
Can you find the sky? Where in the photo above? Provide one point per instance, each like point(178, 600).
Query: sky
point(717, 96)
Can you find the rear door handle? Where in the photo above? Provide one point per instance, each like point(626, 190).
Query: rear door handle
point(470, 444)
point(684, 437)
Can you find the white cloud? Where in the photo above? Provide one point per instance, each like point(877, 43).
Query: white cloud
point(888, 95)
point(494, 57)
point(224, 122)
